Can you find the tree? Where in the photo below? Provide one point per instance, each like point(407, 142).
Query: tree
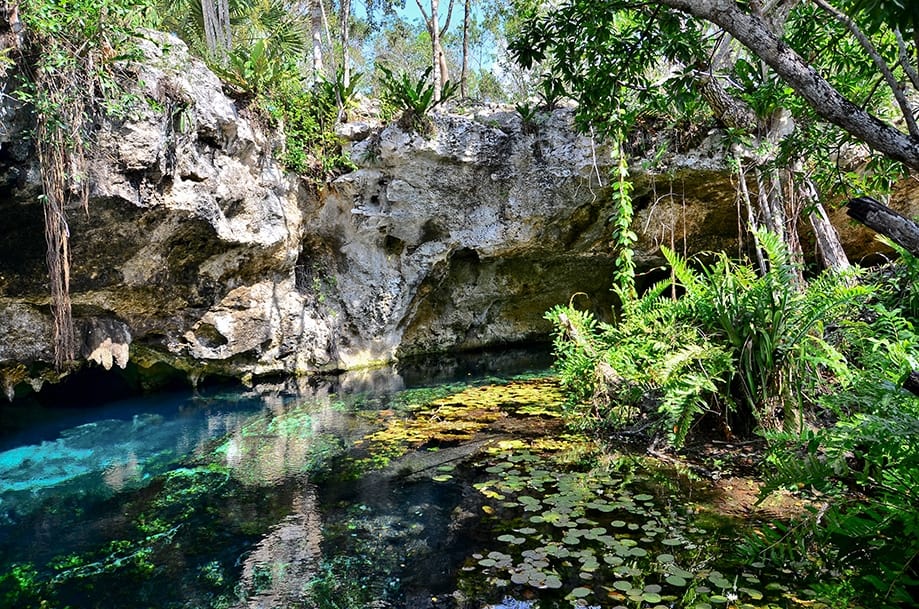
point(625, 59)
point(316, 37)
point(751, 29)
point(216, 19)
point(439, 58)
point(344, 23)
point(464, 77)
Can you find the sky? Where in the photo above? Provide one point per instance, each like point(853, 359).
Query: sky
point(411, 12)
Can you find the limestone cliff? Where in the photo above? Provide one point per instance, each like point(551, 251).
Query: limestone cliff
point(200, 255)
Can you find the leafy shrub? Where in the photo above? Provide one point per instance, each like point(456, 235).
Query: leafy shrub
point(414, 99)
point(255, 69)
point(737, 345)
point(529, 115)
point(308, 117)
point(861, 470)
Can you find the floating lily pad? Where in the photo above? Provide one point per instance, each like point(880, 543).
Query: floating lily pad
point(580, 592)
point(676, 580)
point(755, 595)
point(672, 541)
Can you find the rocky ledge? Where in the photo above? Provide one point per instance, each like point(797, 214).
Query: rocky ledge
point(200, 256)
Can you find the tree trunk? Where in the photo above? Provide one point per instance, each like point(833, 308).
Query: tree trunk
point(439, 58)
point(832, 256)
point(751, 30)
point(434, 29)
point(316, 31)
point(345, 18)
point(464, 77)
point(215, 15)
point(877, 216)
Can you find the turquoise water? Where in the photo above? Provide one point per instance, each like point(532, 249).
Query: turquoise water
point(224, 498)
point(273, 498)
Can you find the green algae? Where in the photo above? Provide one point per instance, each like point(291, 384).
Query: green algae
point(548, 514)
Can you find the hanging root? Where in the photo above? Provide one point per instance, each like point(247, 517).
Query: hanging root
point(62, 161)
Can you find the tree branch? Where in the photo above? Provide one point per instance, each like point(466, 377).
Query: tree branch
point(424, 15)
point(449, 17)
point(904, 60)
point(829, 103)
point(877, 216)
point(879, 63)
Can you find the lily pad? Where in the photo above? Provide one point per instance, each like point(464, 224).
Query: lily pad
point(676, 580)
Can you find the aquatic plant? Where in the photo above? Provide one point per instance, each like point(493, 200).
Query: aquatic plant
point(568, 534)
point(455, 418)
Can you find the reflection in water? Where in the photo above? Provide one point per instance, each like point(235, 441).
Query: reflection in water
point(274, 573)
point(116, 476)
point(208, 500)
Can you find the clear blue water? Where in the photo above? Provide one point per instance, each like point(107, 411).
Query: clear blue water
point(252, 499)
point(116, 447)
point(223, 498)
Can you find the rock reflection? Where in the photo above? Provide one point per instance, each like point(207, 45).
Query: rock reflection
point(274, 574)
point(118, 475)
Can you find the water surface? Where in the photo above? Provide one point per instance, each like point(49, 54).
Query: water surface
point(456, 489)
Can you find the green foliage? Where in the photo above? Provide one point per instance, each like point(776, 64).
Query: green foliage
point(748, 349)
point(639, 67)
point(664, 369)
point(415, 99)
point(308, 117)
point(551, 92)
point(902, 281)
point(862, 470)
point(20, 587)
point(281, 31)
point(70, 76)
point(623, 235)
point(255, 69)
point(529, 116)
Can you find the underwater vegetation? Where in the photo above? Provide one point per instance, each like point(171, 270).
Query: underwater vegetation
point(471, 495)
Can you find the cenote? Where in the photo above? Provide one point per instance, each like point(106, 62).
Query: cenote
point(463, 490)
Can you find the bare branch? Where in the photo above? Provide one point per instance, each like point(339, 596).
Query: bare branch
point(424, 14)
point(904, 60)
point(446, 26)
point(879, 63)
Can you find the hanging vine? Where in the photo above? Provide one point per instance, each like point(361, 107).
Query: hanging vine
point(68, 59)
point(61, 156)
point(623, 235)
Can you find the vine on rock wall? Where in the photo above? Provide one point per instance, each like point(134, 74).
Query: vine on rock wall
point(68, 62)
point(623, 235)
